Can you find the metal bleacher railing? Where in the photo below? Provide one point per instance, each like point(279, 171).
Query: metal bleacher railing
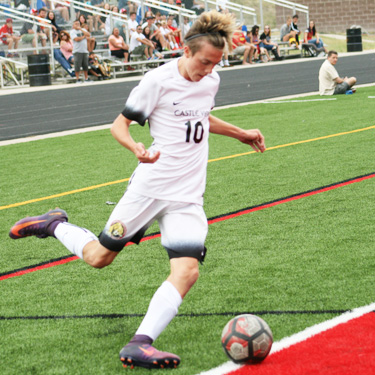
point(296, 7)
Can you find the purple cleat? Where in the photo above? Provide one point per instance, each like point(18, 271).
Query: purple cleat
point(147, 356)
point(41, 226)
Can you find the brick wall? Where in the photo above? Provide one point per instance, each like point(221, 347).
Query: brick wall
point(334, 15)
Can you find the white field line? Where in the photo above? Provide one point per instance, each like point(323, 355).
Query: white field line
point(286, 342)
point(107, 126)
point(295, 101)
point(371, 97)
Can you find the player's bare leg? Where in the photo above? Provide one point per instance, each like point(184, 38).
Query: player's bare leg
point(162, 309)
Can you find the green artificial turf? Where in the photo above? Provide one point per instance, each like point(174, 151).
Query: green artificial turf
point(313, 254)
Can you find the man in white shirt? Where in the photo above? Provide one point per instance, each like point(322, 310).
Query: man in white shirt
point(140, 45)
point(330, 82)
point(167, 186)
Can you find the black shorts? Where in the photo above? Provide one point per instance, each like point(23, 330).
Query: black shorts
point(119, 53)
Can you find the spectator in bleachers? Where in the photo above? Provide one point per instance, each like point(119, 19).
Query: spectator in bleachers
point(100, 20)
point(132, 23)
point(267, 44)
point(140, 45)
point(286, 32)
point(156, 35)
point(243, 48)
point(84, 19)
point(186, 26)
point(312, 37)
point(98, 68)
point(295, 29)
point(168, 35)
point(91, 42)
point(81, 54)
point(43, 30)
point(66, 46)
point(254, 40)
point(176, 32)
point(55, 28)
point(62, 11)
point(139, 12)
point(117, 45)
point(330, 83)
point(29, 33)
point(8, 38)
point(149, 36)
point(120, 21)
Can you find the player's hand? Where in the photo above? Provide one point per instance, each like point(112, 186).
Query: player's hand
point(144, 156)
point(255, 139)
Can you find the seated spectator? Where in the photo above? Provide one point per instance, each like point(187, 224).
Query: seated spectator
point(66, 46)
point(117, 45)
point(132, 23)
point(98, 68)
point(286, 32)
point(63, 11)
point(312, 37)
point(91, 42)
point(241, 47)
point(254, 40)
point(55, 28)
point(176, 32)
point(140, 45)
point(155, 34)
point(147, 33)
point(120, 21)
point(295, 29)
point(84, 19)
point(330, 83)
point(8, 38)
point(58, 55)
point(267, 44)
point(168, 35)
point(101, 19)
point(43, 30)
point(29, 33)
point(186, 26)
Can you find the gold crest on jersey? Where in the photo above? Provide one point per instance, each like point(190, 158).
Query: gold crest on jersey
point(117, 230)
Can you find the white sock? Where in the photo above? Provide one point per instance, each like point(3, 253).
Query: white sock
point(74, 238)
point(171, 44)
point(162, 309)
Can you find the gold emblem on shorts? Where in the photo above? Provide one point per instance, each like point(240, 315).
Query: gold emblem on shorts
point(117, 230)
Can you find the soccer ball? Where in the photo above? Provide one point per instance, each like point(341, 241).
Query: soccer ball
point(247, 339)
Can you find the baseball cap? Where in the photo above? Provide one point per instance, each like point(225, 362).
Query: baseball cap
point(178, 1)
point(8, 20)
point(33, 11)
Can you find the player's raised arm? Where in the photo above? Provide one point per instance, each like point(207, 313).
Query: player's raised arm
point(252, 137)
point(120, 131)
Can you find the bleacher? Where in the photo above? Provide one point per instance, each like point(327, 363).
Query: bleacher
point(15, 68)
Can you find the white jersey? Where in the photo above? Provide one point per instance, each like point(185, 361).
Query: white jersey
point(178, 114)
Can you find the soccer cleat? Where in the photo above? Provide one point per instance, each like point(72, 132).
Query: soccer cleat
point(147, 356)
point(41, 226)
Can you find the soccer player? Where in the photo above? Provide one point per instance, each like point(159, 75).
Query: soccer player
point(167, 185)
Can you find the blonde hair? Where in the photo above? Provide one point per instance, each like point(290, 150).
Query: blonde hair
point(214, 27)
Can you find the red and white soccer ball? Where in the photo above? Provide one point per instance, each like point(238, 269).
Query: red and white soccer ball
point(247, 339)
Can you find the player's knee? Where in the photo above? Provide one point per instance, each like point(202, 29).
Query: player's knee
point(188, 274)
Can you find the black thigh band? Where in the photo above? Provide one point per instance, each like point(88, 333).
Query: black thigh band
point(115, 244)
point(197, 253)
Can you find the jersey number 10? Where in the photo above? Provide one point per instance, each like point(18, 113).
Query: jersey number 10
point(198, 131)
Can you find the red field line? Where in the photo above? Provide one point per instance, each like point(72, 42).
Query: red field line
point(210, 221)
